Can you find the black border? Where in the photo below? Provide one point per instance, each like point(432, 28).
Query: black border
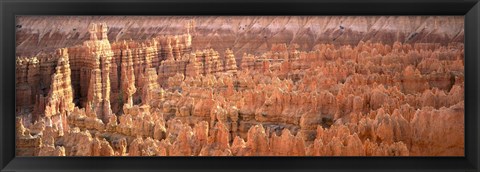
point(9, 9)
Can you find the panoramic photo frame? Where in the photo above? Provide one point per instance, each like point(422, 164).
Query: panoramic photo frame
point(288, 121)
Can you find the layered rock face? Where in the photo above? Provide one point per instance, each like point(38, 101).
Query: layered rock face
point(176, 95)
point(242, 34)
point(99, 57)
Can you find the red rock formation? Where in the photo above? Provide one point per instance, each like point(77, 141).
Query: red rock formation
point(257, 141)
point(213, 62)
point(60, 96)
point(194, 67)
point(439, 137)
point(150, 85)
point(230, 65)
point(99, 54)
point(155, 97)
point(127, 78)
point(287, 144)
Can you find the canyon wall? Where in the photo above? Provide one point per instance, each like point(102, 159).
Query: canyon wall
point(242, 34)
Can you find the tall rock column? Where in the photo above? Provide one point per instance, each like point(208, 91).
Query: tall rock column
point(150, 84)
point(127, 78)
point(100, 55)
point(60, 98)
point(61, 94)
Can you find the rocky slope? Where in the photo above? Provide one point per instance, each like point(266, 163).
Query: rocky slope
point(242, 34)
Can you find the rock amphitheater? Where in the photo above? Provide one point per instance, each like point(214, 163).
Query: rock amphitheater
point(240, 86)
